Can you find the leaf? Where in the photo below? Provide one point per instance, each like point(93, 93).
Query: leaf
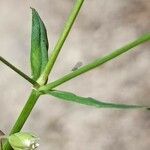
point(90, 101)
point(39, 46)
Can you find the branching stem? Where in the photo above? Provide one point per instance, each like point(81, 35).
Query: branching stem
point(61, 40)
point(35, 94)
point(96, 63)
point(18, 71)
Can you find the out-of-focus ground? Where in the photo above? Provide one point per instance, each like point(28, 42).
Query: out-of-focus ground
point(101, 27)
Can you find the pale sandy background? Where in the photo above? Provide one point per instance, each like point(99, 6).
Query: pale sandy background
point(102, 26)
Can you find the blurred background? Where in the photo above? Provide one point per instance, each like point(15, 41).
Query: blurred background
point(101, 27)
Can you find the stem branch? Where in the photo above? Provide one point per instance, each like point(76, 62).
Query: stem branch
point(35, 94)
point(96, 63)
point(18, 71)
point(61, 40)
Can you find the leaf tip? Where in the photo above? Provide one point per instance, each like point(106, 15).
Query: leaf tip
point(34, 12)
point(33, 9)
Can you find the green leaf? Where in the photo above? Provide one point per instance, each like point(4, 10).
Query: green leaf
point(90, 101)
point(39, 46)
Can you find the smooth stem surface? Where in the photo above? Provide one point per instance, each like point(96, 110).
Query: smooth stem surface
point(35, 95)
point(18, 71)
point(24, 115)
point(96, 63)
point(61, 40)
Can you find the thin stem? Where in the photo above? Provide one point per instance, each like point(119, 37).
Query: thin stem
point(18, 71)
point(96, 63)
point(35, 94)
point(24, 115)
point(61, 40)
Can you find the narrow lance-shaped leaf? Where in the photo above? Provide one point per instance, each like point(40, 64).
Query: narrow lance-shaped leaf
point(67, 96)
point(39, 45)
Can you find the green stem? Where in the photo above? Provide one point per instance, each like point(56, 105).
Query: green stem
point(18, 71)
point(35, 94)
point(24, 115)
point(61, 40)
point(96, 63)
